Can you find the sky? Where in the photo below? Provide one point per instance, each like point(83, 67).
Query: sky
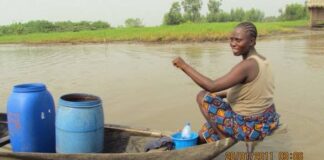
point(115, 12)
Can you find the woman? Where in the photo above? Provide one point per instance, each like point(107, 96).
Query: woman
point(250, 113)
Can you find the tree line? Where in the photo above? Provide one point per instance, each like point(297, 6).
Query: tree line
point(191, 13)
point(180, 12)
point(43, 26)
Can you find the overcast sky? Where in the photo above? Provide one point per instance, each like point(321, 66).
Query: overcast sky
point(114, 11)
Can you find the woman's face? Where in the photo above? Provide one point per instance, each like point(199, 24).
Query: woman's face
point(240, 41)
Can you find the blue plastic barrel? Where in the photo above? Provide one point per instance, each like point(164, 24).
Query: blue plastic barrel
point(79, 124)
point(31, 118)
point(181, 143)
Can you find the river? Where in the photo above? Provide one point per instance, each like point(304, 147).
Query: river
point(140, 87)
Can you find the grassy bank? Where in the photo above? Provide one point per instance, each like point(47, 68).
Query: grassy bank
point(180, 33)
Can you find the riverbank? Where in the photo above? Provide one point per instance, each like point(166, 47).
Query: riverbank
point(190, 32)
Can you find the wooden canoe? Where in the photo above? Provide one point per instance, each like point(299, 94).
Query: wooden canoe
point(121, 143)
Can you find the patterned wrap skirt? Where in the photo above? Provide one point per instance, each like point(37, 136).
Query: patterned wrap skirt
point(231, 124)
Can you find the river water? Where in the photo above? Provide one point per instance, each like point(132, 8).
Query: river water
point(140, 87)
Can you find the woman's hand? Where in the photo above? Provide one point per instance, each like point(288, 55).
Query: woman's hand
point(201, 80)
point(179, 62)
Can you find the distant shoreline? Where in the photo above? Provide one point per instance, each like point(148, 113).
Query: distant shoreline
point(190, 32)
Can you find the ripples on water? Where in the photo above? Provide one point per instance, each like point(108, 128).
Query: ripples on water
point(140, 87)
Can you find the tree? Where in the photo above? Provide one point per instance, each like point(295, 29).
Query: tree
point(237, 14)
point(174, 16)
point(294, 12)
point(133, 22)
point(192, 10)
point(213, 8)
point(223, 17)
point(254, 15)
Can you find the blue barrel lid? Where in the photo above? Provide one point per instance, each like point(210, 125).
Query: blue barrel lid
point(79, 100)
point(29, 87)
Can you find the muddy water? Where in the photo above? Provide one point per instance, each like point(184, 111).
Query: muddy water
point(140, 87)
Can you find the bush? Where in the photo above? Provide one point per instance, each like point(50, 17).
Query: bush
point(100, 25)
point(133, 22)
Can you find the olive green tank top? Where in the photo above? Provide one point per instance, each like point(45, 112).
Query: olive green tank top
point(256, 96)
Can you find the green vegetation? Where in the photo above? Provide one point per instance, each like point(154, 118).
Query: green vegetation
point(173, 17)
point(293, 12)
point(42, 26)
point(214, 10)
point(181, 33)
point(190, 25)
point(192, 9)
point(134, 22)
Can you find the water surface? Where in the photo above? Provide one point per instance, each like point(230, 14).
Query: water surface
point(140, 87)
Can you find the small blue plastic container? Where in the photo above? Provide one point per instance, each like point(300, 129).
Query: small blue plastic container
point(181, 143)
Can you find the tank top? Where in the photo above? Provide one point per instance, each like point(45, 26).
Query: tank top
point(256, 96)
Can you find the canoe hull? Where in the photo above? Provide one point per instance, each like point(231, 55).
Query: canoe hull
point(127, 143)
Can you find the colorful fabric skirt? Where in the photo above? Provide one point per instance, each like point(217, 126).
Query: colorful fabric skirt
point(231, 124)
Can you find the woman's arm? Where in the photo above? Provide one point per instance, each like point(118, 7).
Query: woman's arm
point(237, 75)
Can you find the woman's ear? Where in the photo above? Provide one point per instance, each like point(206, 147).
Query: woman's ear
point(252, 42)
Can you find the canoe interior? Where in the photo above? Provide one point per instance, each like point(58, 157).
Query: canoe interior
point(3, 125)
point(123, 143)
point(118, 139)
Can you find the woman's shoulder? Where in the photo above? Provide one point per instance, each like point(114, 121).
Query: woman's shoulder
point(250, 62)
point(259, 56)
point(247, 65)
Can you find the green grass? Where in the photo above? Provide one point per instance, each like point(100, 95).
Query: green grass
point(181, 33)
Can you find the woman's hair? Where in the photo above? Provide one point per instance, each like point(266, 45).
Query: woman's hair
point(249, 27)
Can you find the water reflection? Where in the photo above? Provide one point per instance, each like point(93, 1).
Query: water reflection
point(315, 50)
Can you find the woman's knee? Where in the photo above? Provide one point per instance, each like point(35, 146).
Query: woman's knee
point(200, 97)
